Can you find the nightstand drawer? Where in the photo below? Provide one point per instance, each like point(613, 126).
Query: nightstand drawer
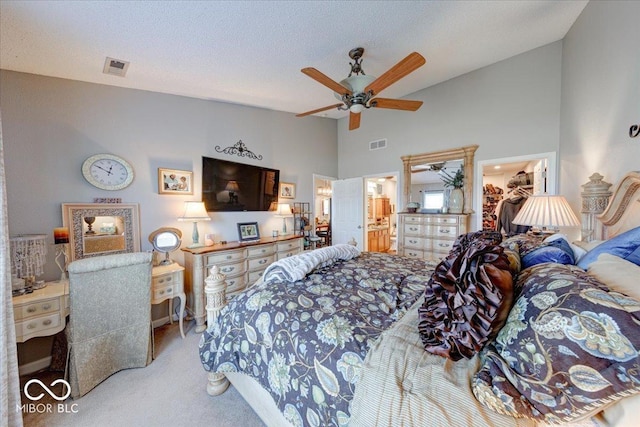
point(261, 250)
point(223, 257)
point(36, 309)
point(167, 279)
point(38, 325)
point(165, 292)
point(260, 263)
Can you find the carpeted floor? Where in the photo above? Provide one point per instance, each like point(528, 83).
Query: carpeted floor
point(168, 392)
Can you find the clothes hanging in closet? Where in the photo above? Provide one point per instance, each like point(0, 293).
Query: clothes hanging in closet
point(509, 208)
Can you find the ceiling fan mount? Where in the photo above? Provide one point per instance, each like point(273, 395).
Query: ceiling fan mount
point(357, 92)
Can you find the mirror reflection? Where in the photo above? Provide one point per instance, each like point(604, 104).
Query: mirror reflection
point(428, 186)
point(103, 234)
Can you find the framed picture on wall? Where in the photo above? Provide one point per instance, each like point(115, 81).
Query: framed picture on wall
point(173, 181)
point(287, 190)
point(248, 231)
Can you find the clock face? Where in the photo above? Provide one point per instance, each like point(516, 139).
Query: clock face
point(107, 172)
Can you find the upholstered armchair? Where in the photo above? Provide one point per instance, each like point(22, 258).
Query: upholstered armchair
point(110, 318)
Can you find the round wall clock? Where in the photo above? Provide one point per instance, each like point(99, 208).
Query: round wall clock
point(107, 172)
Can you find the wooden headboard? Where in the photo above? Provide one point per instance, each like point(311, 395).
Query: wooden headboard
point(623, 211)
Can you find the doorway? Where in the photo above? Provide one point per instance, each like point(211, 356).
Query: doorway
point(497, 180)
point(322, 197)
point(381, 212)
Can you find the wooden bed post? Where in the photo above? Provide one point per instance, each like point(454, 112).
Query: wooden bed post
point(215, 291)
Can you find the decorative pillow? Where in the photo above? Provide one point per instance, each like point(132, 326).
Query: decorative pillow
point(466, 302)
point(618, 274)
point(523, 243)
point(625, 245)
point(557, 251)
point(463, 241)
point(567, 350)
point(578, 252)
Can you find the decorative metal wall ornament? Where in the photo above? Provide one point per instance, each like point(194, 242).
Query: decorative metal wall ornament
point(239, 149)
point(634, 131)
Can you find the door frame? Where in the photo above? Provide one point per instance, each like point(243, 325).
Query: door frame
point(365, 178)
point(552, 177)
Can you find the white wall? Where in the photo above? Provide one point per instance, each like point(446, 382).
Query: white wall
point(51, 126)
point(600, 96)
point(510, 108)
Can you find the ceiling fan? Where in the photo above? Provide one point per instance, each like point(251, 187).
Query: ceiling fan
point(357, 92)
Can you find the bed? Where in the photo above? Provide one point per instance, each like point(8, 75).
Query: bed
point(343, 342)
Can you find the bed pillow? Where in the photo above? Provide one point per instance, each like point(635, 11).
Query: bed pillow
point(625, 245)
point(466, 301)
point(523, 243)
point(578, 252)
point(569, 348)
point(618, 274)
point(557, 251)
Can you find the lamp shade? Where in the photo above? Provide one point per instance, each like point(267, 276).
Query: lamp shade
point(284, 210)
point(232, 186)
point(546, 211)
point(28, 254)
point(194, 211)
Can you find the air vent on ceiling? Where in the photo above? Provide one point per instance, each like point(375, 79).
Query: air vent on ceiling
point(377, 145)
point(115, 67)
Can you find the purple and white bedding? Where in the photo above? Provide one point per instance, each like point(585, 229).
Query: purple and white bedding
point(305, 341)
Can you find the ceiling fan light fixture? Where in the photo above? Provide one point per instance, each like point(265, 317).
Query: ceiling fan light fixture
point(355, 84)
point(357, 108)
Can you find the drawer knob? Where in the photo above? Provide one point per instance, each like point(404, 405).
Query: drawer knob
point(168, 279)
point(169, 290)
point(413, 241)
point(229, 256)
point(47, 322)
point(263, 251)
point(445, 231)
point(31, 309)
point(31, 326)
point(262, 261)
point(46, 306)
point(228, 269)
point(443, 245)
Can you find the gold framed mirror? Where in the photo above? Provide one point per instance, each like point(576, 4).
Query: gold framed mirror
point(101, 228)
point(465, 154)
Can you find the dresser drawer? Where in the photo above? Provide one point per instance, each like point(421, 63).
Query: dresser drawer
point(36, 308)
point(224, 257)
point(414, 253)
point(253, 276)
point(261, 250)
point(289, 245)
point(260, 263)
point(443, 220)
point(233, 268)
point(410, 219)
point(288, 253)
point(235, 284)
point(413, 229)
point(443, 246)
point(413, 242)
point(444, 231)
point(36, 326)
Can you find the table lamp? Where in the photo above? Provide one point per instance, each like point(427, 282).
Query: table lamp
point(28, 255)
point(284, 211)
point(547, 213)
point(232, 187)
point(195, 211)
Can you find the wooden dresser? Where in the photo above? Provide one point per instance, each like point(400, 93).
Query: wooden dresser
point(429, 236)
point(242, 263)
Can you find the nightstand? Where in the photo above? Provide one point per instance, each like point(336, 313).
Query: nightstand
point(42, 312)
point(168, 283)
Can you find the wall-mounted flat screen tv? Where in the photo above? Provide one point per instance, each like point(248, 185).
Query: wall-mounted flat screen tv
point(231, 186)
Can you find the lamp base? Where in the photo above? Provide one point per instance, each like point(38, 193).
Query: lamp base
point(196, 245)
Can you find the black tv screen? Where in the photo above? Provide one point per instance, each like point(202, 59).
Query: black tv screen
point(231, 186)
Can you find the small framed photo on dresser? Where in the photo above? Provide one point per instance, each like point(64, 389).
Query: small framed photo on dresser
point(248, 232)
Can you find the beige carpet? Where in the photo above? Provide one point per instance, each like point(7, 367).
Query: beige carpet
point(169, 392)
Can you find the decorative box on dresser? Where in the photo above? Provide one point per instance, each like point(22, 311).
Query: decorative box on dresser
point(242, 263)
point(429, 236)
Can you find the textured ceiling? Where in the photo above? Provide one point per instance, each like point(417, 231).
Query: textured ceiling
point(251, 52)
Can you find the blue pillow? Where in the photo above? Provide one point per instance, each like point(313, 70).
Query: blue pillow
point(558, 251)
point(625, 245)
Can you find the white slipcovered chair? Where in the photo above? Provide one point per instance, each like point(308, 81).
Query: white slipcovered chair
point(110, 318)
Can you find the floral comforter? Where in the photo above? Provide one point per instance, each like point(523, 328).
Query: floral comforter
point(305, 341)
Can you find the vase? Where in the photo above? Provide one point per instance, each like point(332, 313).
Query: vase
point(456, 201)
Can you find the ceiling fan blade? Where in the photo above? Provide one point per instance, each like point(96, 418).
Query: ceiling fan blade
point(323, 79)
point(396, 104)
point(354, 120)
point(318, 110)
point(395, 73)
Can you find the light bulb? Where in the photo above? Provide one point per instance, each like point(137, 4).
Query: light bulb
point(356, 108)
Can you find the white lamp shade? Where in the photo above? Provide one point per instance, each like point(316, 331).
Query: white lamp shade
point(194, 211)
point(232, 186)
point(284, 210)
point(546, 211)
